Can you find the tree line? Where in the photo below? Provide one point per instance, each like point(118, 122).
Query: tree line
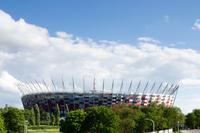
point(37, 116)
point(100, 119)
point(122, 119)
point(13, 120)
point(193, 119)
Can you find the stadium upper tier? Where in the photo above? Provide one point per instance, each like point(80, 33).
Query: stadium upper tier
point(47, 96)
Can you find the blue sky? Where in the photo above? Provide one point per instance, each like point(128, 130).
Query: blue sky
point(168, 21)
point(143, 40)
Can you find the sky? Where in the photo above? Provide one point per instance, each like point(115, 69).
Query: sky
point(130, 40)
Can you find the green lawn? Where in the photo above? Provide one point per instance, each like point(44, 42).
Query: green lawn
point(43, 129)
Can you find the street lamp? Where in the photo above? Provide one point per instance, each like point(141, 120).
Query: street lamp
point(152, 123)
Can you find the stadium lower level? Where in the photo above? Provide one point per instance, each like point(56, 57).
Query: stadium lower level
point(71, 101)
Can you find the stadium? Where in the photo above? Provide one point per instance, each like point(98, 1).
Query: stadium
point(140, 94)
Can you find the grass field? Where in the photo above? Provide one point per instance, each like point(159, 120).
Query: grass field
point(44, 129)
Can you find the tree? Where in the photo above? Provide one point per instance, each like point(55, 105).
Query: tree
point(129, 117)
point(190, 121)
point(2, 126)
point(44, 117)
point(37, 115)
point(57, 115)
point(156, 113)
point(127, 125)
point(32, 117)
point(173, 116)
point(14, 120)
point(101, 120)
point(197, 117)
point(74, 122)
point(66, 110)
point(29, 116)
point(52, 117)
point(193, 119)
point(163, 117)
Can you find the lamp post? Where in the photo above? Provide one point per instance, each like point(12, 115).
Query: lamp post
point(152, 123)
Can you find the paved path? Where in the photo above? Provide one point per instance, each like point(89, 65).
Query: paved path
point(190, 131)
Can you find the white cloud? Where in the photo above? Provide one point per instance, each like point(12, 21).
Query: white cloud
point(148, 40)
point(191, 82)
point(196, 25)
point(28, 52)
point(64, 35)
point(19, 34)
point(8, 83)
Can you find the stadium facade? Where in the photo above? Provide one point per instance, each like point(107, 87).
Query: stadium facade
point(46, 96)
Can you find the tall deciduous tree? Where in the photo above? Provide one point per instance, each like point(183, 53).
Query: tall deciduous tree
point(190, 121)
point(29, 116)
point(44, 117)
point(57, 115)
point(197, 117)
point(129, 118)
point(48, 119)
point(52, 119)
point(32, 119)
point(14, 120)
point(173, 116)
point(154, 112)
point(74, 122)
point(193, 119)
point(37, 115)
point(101, 120)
